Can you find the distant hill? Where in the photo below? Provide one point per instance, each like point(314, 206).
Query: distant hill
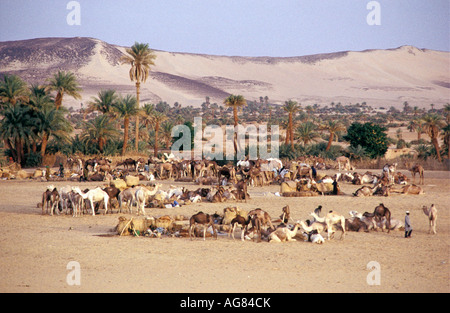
point(378, 77)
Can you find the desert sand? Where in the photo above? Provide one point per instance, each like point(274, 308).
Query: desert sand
point(378, 77)
point(35, 249)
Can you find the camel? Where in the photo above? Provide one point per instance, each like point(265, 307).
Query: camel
point(77, 203)
point(241, 190)
point(285, 215)
point(142, 194)
point(94, 195)
point(432, 217)
point(355, 224)
point(284, 234)
point(345, 161)
point(242, 222)
point(129, 196)
point(64, 198)
point(204, 219)
point(313, 236)
point(415, 169)
point(315, 226)
point(50, 197)
point(369, 221)
point(263, 217)
point(331, 219)
point(380, 212)
point(389, 171)
point(407, 189)
point(165, 167)
point(365, 191)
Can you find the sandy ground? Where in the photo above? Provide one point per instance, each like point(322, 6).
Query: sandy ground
point(35, 249)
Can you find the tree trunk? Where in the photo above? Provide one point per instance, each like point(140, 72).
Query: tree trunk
point(126, 123)
point(330, 140)
point(155, 149)
point(138, 92)
point(436, 147)
point(58, 100)
point(235, 133)
point(101, 144)
point(44, 145)
point(291, 131)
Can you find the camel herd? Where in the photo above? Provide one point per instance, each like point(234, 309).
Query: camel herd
point(230, 183)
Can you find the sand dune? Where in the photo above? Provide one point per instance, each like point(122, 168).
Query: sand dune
point(378, 77)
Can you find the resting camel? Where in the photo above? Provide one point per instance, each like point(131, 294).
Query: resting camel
point(315, 226)
point(380, 212)
point(330, 219)
point(432, 217)
point(345, 161)
point(94, 195)
point(203, 219)
point(313, 236)
point(365, 191)
point(284, 234)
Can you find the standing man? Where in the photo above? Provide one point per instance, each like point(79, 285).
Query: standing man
point(408, 227)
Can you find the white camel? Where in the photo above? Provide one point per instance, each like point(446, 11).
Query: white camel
point(284, 234)
point(432, 217)
point(331, 219)
point(315, 226)
point(142, 195)
point(94, 195)
point(345, 161)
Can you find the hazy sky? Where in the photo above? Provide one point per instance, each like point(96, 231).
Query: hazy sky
point(236, 27)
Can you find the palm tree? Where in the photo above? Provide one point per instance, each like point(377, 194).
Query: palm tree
point(432, 124)
point(140, 57)
point(446, 137)
point(13, 89)
point(16, 128)
point(64, 83)
point(332, 127)
point(291, 107)
point(158, 118)
point(104, 101)
point(306, 133)
point(235, 101)
point(447, 112)
point(167, 133)
point(98, 131)
point(126, 107)
point(146, 113)
point(51, 122)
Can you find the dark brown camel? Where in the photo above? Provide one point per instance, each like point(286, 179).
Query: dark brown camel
point(380, 212)
point(204, 219)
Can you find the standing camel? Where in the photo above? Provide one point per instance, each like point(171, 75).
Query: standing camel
point(204, 219)
point(331, 219)
point(432, 217)
point(416, 168)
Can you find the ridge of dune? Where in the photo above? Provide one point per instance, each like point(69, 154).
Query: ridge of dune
point(379, 77)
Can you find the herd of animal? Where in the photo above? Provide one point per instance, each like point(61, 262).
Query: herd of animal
point(256, 224)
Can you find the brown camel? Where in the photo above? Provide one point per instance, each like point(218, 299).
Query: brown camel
point(380, 212)
point(415, 169)
point(204, 219)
